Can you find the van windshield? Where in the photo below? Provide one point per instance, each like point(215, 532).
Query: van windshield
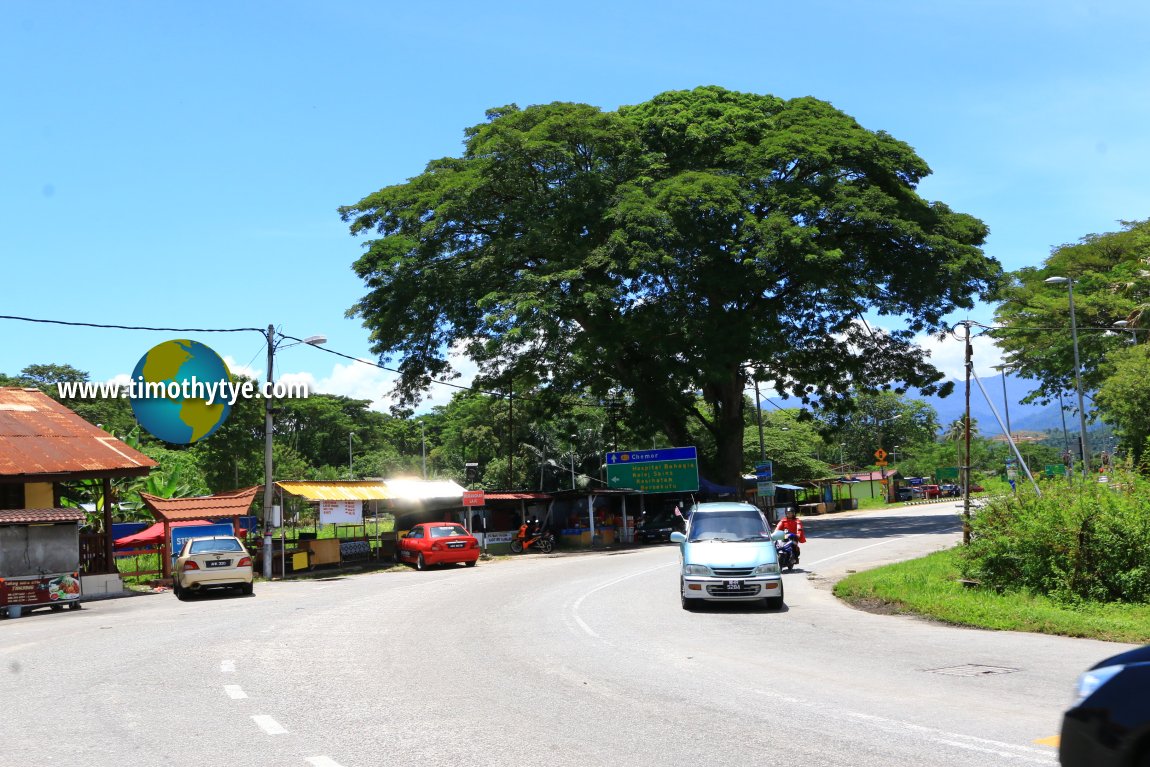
point(729, 526)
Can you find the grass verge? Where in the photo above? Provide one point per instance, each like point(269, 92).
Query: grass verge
point(930, 587)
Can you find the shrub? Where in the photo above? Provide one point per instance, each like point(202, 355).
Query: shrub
point(1075, 542)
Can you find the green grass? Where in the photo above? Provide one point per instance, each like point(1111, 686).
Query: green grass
point(930, 587)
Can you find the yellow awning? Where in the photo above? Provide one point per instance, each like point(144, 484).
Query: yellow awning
point(366, 490)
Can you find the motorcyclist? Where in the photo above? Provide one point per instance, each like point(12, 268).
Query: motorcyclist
point(523, 531)
point(792, 524)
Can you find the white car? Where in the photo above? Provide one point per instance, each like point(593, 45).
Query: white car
point(217, 561)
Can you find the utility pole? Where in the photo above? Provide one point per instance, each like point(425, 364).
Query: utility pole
point(759, 412)
point(966, 461)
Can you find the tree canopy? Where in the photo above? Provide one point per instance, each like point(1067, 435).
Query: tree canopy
point(669, 249)
point(1111, 298)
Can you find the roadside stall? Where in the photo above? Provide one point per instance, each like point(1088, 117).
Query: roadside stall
point(230, 506)
point(39, 559)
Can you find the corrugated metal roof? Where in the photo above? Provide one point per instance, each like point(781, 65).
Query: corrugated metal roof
point(39, 436)
point(363, 490)
point(39, 516)
point(230, 504)
point(517, 496)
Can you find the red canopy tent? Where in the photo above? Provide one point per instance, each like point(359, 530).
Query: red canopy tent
point(154, 534)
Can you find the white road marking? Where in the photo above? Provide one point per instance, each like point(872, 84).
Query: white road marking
point(228, 666)
point(579, 601)
point(269, 725)
point(322, 761)
point(863, 548)
point(234, 692)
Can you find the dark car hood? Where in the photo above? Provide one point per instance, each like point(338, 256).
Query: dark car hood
point(1138, 655)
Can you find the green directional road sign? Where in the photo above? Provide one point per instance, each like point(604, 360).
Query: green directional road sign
point(668, 470)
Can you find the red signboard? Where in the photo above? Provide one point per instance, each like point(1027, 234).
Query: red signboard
point(473, 498)
point(52, 590)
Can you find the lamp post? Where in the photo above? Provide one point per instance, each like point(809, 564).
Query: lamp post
point(1082, 441)
point(269, 475)
point(759, 413)
point(350, 474)
point(423, 448)
point(573, 461)
point(894, 455)
point(1005, 400)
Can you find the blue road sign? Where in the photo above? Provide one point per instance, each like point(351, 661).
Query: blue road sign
point(649, 456)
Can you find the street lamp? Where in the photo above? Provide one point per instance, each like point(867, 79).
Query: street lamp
point(350, 475)
point(423, 447)
point(1005, 400)
point(573, 461)
point(1083, 444)
point(894, 455)
point(1125, 325)
point(269, 476)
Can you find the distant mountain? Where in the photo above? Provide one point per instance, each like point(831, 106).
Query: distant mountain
point(1022, 417)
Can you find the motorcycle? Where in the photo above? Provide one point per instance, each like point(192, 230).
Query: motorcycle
point(788, 550)
point(544, 541)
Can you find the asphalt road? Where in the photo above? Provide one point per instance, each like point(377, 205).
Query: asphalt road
point(582, 659)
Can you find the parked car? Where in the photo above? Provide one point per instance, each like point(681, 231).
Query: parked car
point(659, 528)
point(1109, 723)
point(931, 491)
point(727, 555)
point(209, 562)
point(437, 543)
point(903, 493)
point(950, 490)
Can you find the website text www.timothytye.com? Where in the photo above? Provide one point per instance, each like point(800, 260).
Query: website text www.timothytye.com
point(211, 392)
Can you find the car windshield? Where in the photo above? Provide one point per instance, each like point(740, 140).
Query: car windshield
point(215, 544)
point(446, 531)
point(728, 526)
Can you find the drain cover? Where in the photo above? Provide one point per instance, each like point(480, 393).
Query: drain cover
point(972, 669)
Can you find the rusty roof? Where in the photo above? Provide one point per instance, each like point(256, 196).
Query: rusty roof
point(520, 496)
point(39, 516)
point(40, 439)
point(233, 503)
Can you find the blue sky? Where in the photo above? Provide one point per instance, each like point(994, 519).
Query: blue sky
point(180, 164)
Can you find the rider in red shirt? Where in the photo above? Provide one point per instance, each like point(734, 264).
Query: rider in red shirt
point(792, 524)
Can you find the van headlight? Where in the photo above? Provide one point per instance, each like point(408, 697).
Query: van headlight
point(696, 570)
point(767, 569)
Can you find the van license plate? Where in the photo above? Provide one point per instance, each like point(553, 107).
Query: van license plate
point(733, 585)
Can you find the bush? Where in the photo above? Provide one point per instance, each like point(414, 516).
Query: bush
point(1075, 542)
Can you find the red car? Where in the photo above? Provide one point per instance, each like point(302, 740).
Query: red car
point(437, 543)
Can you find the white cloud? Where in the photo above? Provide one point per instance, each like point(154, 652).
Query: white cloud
point(363, 380)
point(237, 369)
point(949, 354)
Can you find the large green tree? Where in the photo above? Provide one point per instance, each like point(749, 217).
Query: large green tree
point(667, 250)
point(1111, 284)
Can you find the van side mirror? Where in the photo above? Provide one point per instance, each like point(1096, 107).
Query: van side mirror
point(677, 537)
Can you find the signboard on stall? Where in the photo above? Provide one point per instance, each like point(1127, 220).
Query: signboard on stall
point(341, 512)
point(46, 590)
point(473, 498)
point(666, 470)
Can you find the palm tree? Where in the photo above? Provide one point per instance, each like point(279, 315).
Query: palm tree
point(957, 432)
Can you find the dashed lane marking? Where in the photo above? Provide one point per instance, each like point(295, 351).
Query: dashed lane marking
point(269, 725)
point(234, 692)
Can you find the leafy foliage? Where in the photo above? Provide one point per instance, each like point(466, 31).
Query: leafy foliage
point(1076, 542)
point(663, 251)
